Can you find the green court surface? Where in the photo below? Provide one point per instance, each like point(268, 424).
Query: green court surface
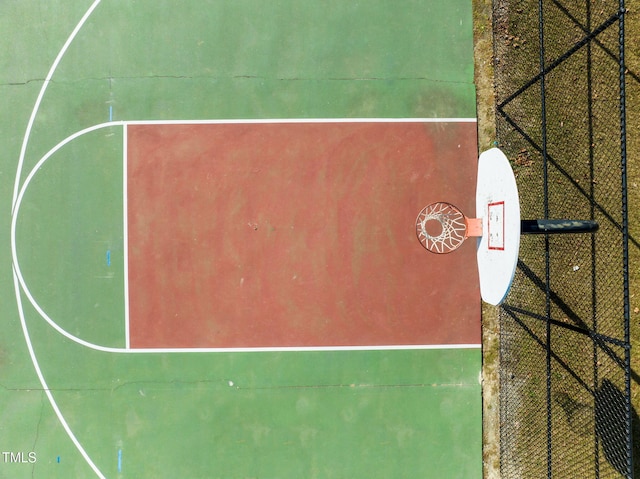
point(74, 400)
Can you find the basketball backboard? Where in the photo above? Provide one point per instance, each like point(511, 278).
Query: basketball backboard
point(442, 228)
point(498, 205)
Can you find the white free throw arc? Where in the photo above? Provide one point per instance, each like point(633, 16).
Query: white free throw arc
point(498, 205)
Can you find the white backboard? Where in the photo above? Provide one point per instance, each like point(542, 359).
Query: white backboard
point(498, 205)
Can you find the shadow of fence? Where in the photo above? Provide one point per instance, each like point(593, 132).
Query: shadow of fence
point(565, 375)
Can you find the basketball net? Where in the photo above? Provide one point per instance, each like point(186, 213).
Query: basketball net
point(442, 227)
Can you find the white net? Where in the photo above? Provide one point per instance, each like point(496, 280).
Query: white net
point(441, 227)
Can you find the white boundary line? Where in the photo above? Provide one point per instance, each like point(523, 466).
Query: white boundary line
point(36, 107)
point(14, 220)
point(127, 348)
point(14, 204)
point(43, 382)
point(236, 121)
point(125, 234)
point(300, 120)
point(274, 349)
point(285, 121)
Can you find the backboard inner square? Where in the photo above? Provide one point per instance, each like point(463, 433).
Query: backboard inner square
point(495, 225)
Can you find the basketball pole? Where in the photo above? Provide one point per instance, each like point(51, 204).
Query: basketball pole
point(533, 227)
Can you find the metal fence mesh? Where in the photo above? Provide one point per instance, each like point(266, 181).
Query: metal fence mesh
point(565, 407)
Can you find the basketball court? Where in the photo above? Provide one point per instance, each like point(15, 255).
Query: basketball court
point(213, 268)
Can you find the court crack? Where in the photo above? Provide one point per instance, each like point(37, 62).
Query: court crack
point(173, 382)
point(37, 436)
point(358, 386)
point(236, 77)
point(23, 83)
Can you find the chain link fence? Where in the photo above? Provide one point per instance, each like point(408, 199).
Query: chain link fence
point(565, 407)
